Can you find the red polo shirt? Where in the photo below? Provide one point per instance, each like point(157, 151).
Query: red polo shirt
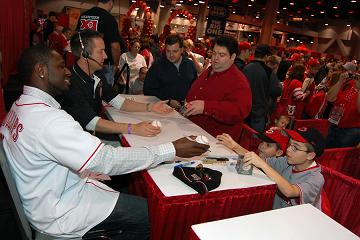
point(227, 98)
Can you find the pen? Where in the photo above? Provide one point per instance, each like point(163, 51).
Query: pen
point(185, 164)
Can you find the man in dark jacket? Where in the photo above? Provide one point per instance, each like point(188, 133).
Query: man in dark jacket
point(264, 85)
point(171, 76)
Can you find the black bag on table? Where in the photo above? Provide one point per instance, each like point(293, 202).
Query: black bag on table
point(201, 179)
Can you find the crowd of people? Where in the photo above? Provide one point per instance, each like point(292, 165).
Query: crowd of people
point(56, 138)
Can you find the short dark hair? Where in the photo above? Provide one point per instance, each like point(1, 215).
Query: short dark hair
point(173, 39)
point(104, 1)
point(297, 72)
point(86, 37)
point(229, 42)
point(38, 54)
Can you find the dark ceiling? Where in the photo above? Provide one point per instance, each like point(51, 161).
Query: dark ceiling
point(311, 11)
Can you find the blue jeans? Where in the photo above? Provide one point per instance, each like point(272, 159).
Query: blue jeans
point(342, 137)
point(109, 72)
point(129, 215)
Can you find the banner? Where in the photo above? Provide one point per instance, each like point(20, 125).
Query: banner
point(216, 20)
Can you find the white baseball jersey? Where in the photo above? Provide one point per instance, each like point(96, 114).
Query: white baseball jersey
point(47, 149)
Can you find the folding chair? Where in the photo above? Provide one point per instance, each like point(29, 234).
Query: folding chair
point(345, 160)
point(27, 232)
point(248, 139)
point(343, 193)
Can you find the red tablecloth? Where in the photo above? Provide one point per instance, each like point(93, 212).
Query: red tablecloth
point(172, 217)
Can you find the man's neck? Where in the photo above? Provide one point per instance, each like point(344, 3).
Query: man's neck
point(85, 67)
point(103, 6)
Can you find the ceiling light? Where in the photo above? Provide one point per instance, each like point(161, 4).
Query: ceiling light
point(353, 1)
point(335, 7)
point(292, 4)
point(162, 6)
point(233, 12)
point(322, 12)
point(278, 22)
point(348, 25)
point(178, 4)
point(326, 24)
point(312, 15)
point(257, 17)
point(249, 5)
point(195, 4)
point(201, 2)
point(311, 42)
point(277, 12)
point(284, 8)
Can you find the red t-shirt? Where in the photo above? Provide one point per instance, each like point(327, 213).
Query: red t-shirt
point(344, 112)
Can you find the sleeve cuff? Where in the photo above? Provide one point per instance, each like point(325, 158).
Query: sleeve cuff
point(117, 101)
point(92, 124)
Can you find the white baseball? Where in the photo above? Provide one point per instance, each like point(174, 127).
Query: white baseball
point(202, 139)
point(156, 123)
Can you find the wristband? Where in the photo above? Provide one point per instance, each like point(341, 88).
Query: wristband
point(148, 107)
point(129, 128)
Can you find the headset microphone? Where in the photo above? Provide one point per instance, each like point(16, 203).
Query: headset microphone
point(85, 53)
point(101, 65)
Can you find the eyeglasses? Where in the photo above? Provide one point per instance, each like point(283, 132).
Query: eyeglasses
point(295, 148)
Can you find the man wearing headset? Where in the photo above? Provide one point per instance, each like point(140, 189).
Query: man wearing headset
point(100, 19)
point(89, 88)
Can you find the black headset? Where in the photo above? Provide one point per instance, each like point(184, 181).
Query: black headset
point(84, 53)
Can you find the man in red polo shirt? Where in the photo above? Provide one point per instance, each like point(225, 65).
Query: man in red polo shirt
point(220, 99)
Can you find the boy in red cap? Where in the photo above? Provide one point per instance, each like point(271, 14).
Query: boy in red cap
point(297, 175)
point(243, 55)
point(274, 143)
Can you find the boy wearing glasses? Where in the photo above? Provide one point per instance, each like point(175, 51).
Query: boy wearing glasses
point(274, 143)
point(297, 175)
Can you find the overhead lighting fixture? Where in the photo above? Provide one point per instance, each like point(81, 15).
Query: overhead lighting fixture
point(353, 1)
point(249, 5)
point(292, 3)
point(348, 25)
point(277, 12)
point(201, 2)
point(257, 17)
point(311, 42)
point(233, 12)
point(326, 24)
point(335, 7)
point(322, 12)
point(195, 4)
point(162, 6)
point(178, 4)
point(284, 8)
point(312, 15)
point(278, 22)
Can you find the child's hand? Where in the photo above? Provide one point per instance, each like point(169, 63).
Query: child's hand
point(227, 141)
point(254, 159)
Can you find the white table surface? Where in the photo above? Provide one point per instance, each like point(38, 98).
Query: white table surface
point(175, 126)
point(303, 222)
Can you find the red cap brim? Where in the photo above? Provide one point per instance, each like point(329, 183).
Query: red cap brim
point(296, 136)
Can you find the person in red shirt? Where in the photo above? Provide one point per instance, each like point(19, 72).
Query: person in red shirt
point(344, 130)
point(220, 99)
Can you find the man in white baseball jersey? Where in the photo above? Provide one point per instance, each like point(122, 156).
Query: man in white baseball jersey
point(48, 153)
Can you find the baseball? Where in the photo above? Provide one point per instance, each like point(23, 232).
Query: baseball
point(202, 139)
point(156, 123)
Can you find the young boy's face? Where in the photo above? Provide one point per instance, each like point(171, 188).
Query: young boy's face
point(282, 123)
point(298, 154)
point(267, 150)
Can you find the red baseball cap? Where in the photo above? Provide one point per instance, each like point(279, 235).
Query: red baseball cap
point(309, 135)
point(244, 45)
point(294, 57)
point(275, 136)
point(313, 62)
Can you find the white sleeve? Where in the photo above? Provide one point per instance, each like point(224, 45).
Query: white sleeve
point(122, 160)
point(91, 126)
point(117, 101)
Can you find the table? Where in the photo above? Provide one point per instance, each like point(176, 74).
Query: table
point(295, 223)
point(173, 206)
